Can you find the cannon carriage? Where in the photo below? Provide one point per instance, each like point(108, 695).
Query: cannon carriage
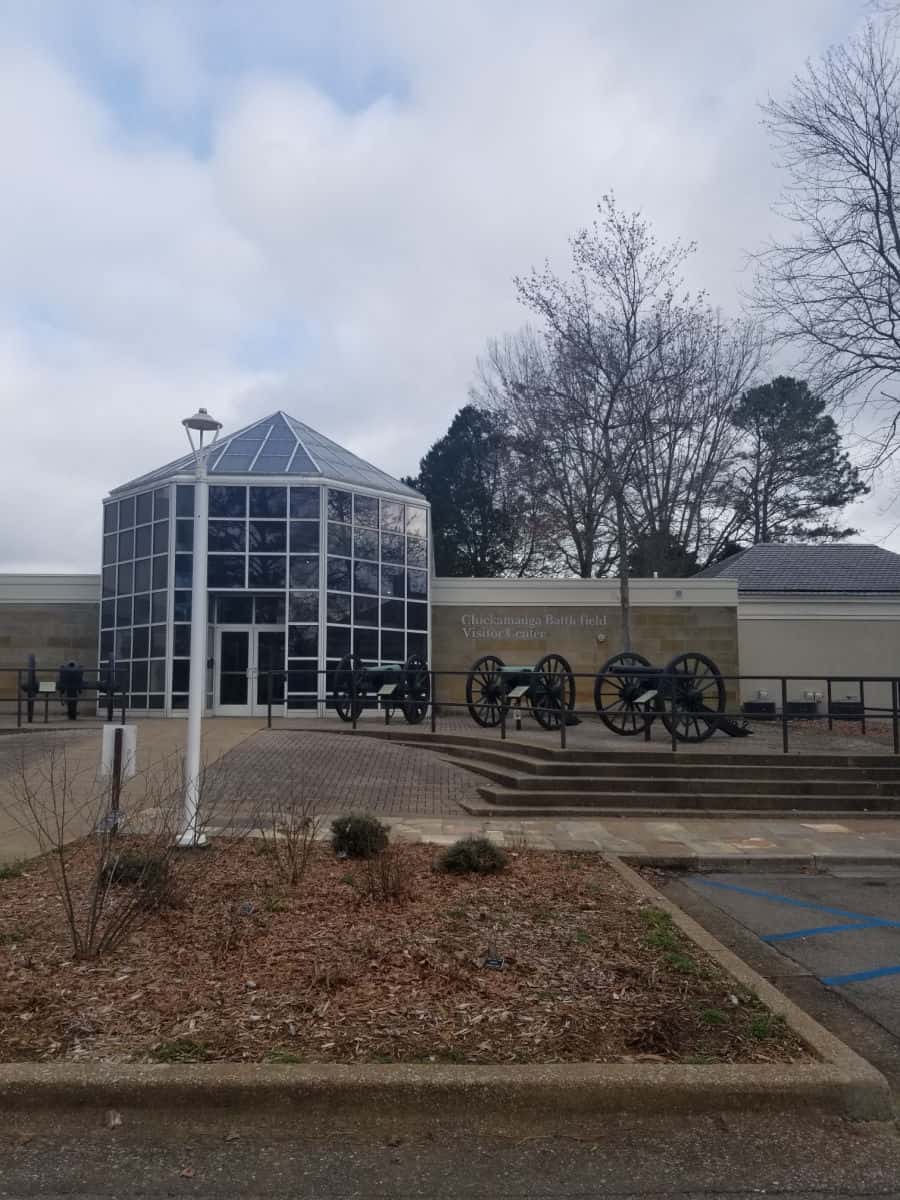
point(548, 687)
point(688, 695)
point(405, 686)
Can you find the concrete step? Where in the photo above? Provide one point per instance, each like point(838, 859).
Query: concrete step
point(505, 811)
point(724, 801)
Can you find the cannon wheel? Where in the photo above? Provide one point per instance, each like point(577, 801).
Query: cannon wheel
point(694, 696)
point(349, 690)
point(486, 691)
point(552, 690)
point(415, 689)
point(616, 692)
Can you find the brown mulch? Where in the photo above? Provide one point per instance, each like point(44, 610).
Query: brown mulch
point(241, 969)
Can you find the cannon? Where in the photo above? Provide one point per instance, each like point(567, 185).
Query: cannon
point(354, 682)
point(688, 695)
point(550, 690)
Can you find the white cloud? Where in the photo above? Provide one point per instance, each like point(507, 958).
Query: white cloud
point(362, 235)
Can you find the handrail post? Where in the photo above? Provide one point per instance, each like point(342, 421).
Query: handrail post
point(784, 716)
point(894, 721)
point(830, 718)
point(433, 702)
point(352, 697)
point(18, 698)
point(674, 735)
point(502, 723)
point(269, 699)
point(862, 704)
point(562, 728)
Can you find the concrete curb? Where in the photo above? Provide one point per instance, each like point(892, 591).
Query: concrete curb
point(757, 863)
point(498, 1100)
point(849, 1084)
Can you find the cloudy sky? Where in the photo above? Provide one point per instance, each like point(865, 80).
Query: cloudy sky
point(320, 208)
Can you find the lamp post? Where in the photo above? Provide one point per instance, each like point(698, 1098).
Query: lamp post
point(200, 423)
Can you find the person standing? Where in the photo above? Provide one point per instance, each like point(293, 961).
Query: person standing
point(70, 685)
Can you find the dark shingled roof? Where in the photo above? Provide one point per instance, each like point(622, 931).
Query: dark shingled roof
point(833, 568)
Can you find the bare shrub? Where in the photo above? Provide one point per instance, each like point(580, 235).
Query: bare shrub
point(385, 877)
point(109, 875)
point(289, 830)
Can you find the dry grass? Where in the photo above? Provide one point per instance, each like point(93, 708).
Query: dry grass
point(245, 969)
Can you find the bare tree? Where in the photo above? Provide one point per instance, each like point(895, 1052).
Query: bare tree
point(289, 827)
point(831, 285)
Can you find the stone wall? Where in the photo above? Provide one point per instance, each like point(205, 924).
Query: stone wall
point(54, 633)
point(586, 635)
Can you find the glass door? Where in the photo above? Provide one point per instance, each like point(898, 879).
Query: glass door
point(269, 657)
point(233, 673)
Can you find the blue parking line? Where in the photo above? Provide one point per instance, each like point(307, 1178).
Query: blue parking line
point(799, 933)
point(779, 899)
point(860, 976)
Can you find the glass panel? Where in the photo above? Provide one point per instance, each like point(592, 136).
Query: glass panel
point(123, 644)
point(305, 502)
point(365, 610)
point(181, 675)
point(161, 503)
point(234, 650)
point(302, 675)
point(365, 543)
point(226, 571)
point(184, 535)
point(142, 575)
point(339, 574)
point(139, 676)
point(339, 506)
point(161, 537)
point(109, 581)
point(235, 610)
point(125, 579)
point(270, 657)
point(416, 552)
point(227, 535)
point(143, 541)
point(123, 610)
point(126, 512)
point(417, 616)
point(158, 606)
point(181, 644)
point(416, 520)
point(304, 606)
point(184, 500)
point(182, 606)
point(304, 536)
point(338, 641)
point(339, 539)
point(137, 701)
point(365, 577)
point(179, 702)
point(338, 608)
point(140, 645)
point(392, 547)
point(417, 643)
point(126, 544)
point(393, 582)
point(110, 548)
point(365, 511)
point(156, 702)
point(110, 517)
point(267, 571)
point(184, 570)
point(142, 609)
point(227, 501)
point(268, 535)
point(161, 571)
point(365, 643)
point(392, 614)
point(304, 572)
point(392, 647)
point(417, 583)
point(268, 502)
point(271, 464)
point(143, 509)
point(393, 516)
point(269, 610)
point(303, 640)
point(157, 641)
point(107, 614)
point(107, 645)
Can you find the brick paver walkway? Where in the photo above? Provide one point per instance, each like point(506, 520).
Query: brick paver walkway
point(339, 774)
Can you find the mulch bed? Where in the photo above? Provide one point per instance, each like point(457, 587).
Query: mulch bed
point(241, 969)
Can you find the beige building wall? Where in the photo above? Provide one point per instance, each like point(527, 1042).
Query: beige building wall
point(522, 620)
point(818, 636)
point(54, 617)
